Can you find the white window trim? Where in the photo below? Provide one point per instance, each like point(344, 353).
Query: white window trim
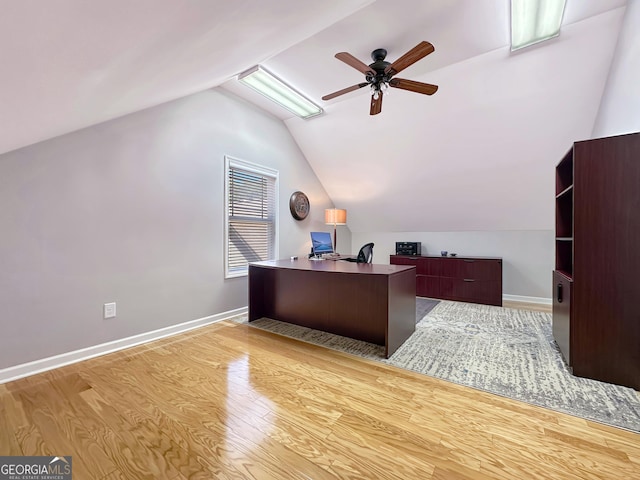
point(231, 162)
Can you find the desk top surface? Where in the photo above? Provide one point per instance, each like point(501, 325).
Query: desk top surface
point(338, 266)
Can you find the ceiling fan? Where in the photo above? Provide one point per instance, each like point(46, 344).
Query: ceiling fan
point(379, 75)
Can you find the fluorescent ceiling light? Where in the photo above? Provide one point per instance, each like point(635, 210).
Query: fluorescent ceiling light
point(533, 21)
point(276, 90)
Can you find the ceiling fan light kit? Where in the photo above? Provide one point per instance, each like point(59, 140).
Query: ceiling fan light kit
point(379, 74)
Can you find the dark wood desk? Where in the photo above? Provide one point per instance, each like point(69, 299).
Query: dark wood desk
point(369, 302)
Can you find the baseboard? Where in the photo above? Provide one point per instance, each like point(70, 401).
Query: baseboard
point(523, 299)
point(57, 361)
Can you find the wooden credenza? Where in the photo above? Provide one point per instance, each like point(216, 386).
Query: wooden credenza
point(463, 279)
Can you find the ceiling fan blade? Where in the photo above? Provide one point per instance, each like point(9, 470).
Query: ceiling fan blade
point(355, 63)
point(413, 86)
point(412, 56)
point(344, 90)
point(376, 105)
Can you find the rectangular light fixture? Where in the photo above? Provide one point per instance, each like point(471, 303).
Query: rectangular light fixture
point(276, 90)
point(534, 21)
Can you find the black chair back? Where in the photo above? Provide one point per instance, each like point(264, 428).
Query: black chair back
point(365, 255)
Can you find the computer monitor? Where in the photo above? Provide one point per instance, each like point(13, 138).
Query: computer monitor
point(321, 243)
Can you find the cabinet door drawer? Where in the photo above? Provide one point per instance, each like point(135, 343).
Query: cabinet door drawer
point(488, 292)
point(477, 269)
point(428, 286)
point(430, 266)
point(424, 266)
point(562, 314)
point(402, 260)
point(450, 288)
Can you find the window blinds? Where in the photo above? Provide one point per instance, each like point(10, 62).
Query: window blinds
point(251, 218)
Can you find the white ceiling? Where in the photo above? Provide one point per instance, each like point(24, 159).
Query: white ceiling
point(68, 64)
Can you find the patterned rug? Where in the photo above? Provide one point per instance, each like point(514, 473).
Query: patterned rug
point(503, 351)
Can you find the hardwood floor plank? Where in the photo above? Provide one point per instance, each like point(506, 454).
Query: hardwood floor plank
point(546, 461)
point(115, 475)
point(629, 446)
point(537, 307)
point(210, 416)
point(229, 401)
point(55, 440)
point(31, 442)
point(458, 472)
point(405, 454)
point(79, 423)
point(369, 396)
point(8, 442)
point(137, 413)
point(120, 441)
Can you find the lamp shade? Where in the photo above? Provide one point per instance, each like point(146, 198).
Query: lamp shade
point(335, 216)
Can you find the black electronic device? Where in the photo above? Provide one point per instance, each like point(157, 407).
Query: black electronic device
point(408, 248)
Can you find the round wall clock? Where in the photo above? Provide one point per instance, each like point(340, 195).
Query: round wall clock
point(299, 205)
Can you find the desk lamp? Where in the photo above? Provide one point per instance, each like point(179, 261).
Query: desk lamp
point(335, 216)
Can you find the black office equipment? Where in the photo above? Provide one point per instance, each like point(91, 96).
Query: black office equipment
point(408, 248)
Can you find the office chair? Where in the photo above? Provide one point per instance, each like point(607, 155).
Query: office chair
point(365, 255)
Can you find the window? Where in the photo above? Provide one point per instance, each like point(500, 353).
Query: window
point(250, 215)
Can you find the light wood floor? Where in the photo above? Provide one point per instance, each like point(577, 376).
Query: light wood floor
point(232, 402)
point(538, 307)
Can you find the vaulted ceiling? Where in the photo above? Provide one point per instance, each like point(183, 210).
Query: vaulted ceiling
point(477, 155)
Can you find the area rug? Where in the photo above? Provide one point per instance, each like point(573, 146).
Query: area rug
point(503, 351)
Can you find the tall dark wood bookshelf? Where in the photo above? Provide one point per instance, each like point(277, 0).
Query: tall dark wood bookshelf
point(596, 292)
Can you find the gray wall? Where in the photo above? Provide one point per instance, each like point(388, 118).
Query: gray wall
point(527, 256)
point(131, 211)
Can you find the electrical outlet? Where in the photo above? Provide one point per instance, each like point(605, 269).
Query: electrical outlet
point(109, 310)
